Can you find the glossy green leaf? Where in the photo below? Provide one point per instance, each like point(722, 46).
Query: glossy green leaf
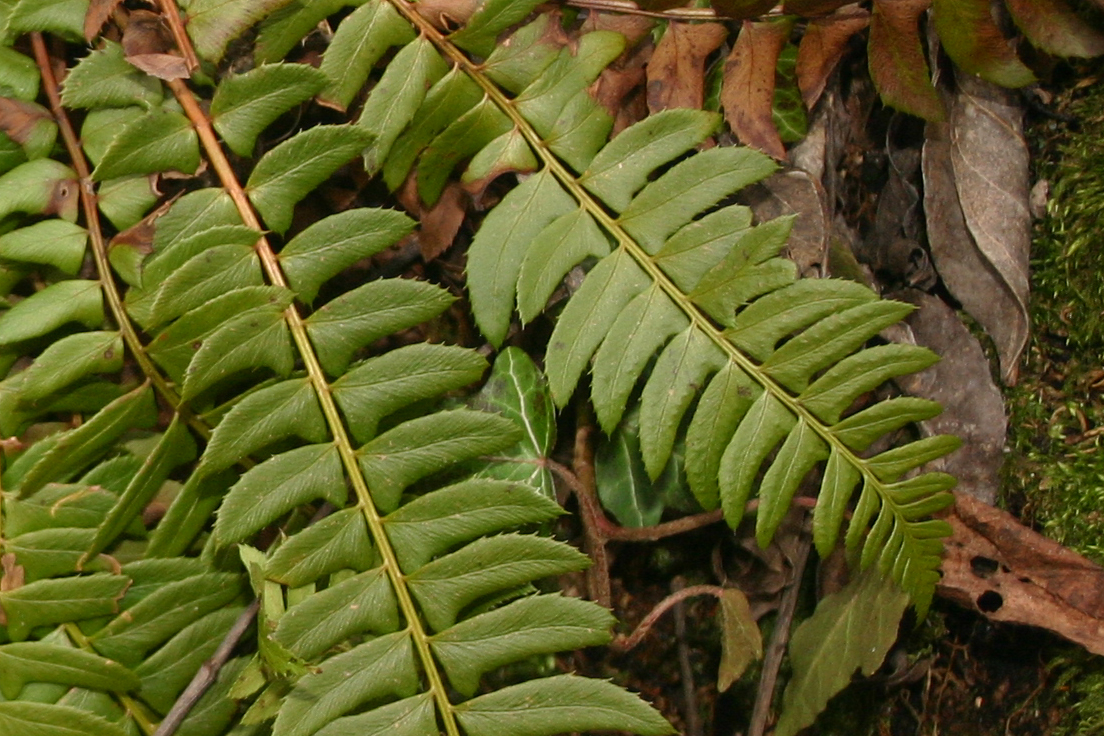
point(269, 490)
point(286, 409)
point(361, 39)
point(419, 447)
point(557, 704)
point(495, 255)
point(362, 316)
point(386, 383)
point(517, 390)
point(161, 140)
point(46, 602)
point(826, 652)
point(329, 246)
point(213, 24)
point(378, 668)
point(245, 104)
point(159, 616)
point(46, 719)
point(364, 603)
point(38, 661)
point(624, 487)
point(527, 627)
point(438, 521)
point(292, 169)
point(788, 110)
point(445, 586)
point(338, 542)
point(70, 359)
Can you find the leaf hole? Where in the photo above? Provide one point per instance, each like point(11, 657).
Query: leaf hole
point(990, 601)
point(983, 567)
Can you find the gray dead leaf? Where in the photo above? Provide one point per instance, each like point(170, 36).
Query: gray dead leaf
point(973, 407)
point(795, 192)
point(976, 199)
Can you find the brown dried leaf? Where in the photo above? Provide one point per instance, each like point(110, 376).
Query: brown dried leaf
point(976, 199)
point(973, 407)
point(741, 640)
point(446, 15)
point(148, 44)
point(795, 192)
point(747, 92)
point(1007, 572)
point(676, 71)
point(439, 223)
point(897, 63)
point(1055, 28)
point(740, 9)
point(18, 118)
point(822, 46)
point(812, 8)
point(99, 11)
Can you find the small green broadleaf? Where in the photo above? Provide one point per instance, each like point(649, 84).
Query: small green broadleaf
point(826, 652)
point(18, 75)
point(975, 43)
point(741, 641)
point(63, 17)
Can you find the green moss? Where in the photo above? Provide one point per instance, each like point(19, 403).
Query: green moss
point(1055, 473)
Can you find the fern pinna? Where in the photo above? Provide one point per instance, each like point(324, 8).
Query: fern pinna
point(222, 374)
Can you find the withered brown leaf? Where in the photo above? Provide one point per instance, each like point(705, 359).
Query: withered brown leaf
point(823, 45)
point(676, 71)
point(747, 92)
point(897, 63)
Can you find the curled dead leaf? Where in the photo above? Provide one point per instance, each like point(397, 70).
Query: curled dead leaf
point(1055, 28)
point(99, 11)
point(747, 92)
point(148, 44)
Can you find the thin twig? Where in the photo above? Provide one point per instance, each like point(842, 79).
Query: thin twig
point(625, 643)
point(208, 673)
point(689, 694)
point(171, 15)
point(590, 512)
point(772, 660)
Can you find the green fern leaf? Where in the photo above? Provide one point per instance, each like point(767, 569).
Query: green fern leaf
point(158, 141)
point(50, 602)
point(48, 719)
point(213, 24)
point(278, 485)
point(51, 242)
point(63, 17)
point(19, 77)
point(244, 105)
point(70, 359)
point(413, 716)
point(361, 39)
point(76, 300)
point(289, 171)
point(338, 542)
point(37, 661)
